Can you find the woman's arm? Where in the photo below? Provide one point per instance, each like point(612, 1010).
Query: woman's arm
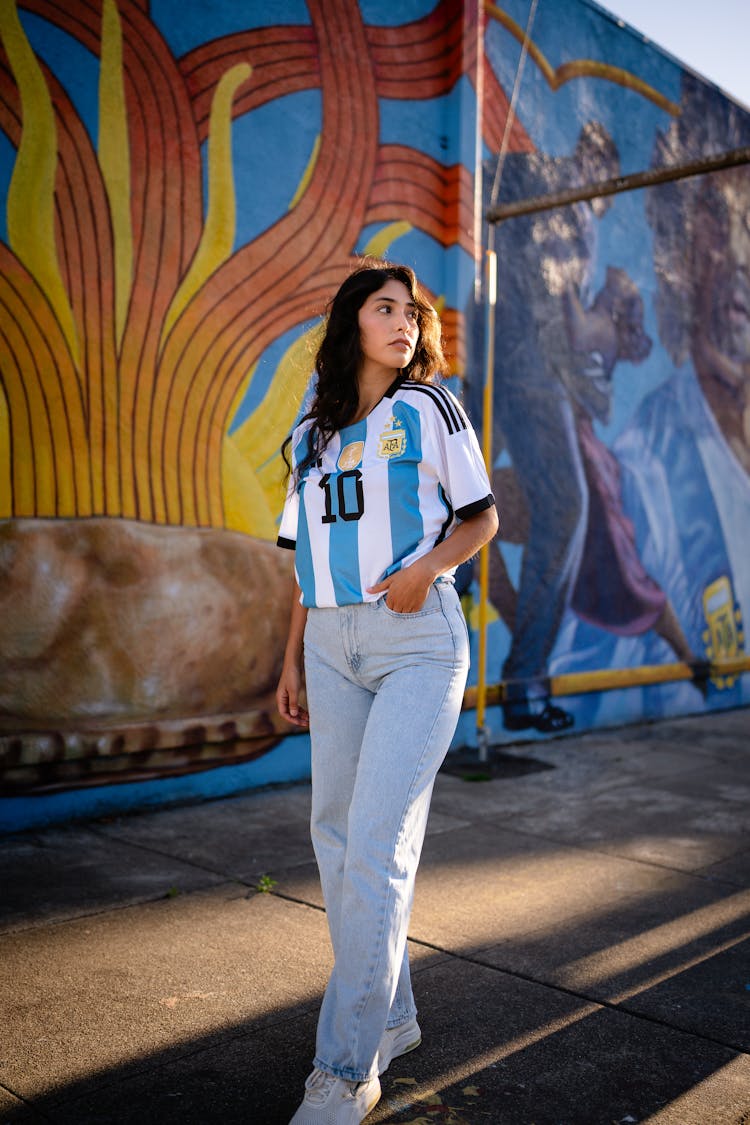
point(407, 589)
point(290, 682)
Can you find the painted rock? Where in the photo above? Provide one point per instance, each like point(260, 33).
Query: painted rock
point(129, 649)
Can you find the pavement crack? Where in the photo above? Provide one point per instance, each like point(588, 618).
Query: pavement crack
point(103, 835)
point(26, 1102)
point(582, 996)
point(590, 847)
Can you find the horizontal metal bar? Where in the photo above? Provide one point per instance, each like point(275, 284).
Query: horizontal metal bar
point(611, 679)
point(654, 176)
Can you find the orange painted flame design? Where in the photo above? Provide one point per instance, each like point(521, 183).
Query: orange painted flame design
point(133, 422)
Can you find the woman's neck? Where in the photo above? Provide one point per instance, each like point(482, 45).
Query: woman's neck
point(372, 383)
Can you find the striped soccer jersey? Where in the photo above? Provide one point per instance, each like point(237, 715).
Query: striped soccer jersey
point(385, 492)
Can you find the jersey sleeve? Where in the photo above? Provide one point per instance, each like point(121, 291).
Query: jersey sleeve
point(287, 536)
point(462, 470)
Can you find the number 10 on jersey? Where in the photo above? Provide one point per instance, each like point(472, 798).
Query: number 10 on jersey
point(349, 499)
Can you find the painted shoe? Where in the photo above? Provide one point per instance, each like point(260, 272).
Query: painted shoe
point(551, 720)
point(334, 1101)
point(398, 1041)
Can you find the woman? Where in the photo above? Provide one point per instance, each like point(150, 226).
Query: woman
point(388, 494)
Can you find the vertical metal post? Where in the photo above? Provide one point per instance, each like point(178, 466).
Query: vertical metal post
point(484, 554)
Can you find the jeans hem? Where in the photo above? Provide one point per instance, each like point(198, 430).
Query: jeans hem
point(346, 1073)
point(401, 1022)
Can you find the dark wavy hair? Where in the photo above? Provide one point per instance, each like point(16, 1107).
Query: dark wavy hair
point(339, 356)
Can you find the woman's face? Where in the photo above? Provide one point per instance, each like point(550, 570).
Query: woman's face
point(388, 328)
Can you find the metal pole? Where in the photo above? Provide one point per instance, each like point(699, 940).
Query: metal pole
point(654, 176)
point(484, 554)
point(615, 679)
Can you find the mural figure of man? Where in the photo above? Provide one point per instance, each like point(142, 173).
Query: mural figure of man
point(613, 590)
point(686, 453)
point(542, 258)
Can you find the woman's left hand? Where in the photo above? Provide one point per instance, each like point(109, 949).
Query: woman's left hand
point(406, 590)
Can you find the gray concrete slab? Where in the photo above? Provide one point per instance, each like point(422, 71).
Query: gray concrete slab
point(592, 764)
point(734, 870)
point(487, 884)
point(511, 1052)
point(62, 873)
point(579, 942)
point(101, 993)
point(242, 838)
point(668, 943)
point(13, 1109)
point(687, 821)
point(727, 729)
point(98, 993)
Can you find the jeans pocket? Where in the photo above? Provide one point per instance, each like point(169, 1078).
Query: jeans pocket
point(431, 605)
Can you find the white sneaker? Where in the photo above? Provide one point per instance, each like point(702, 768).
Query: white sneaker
point(334, 1101)
point(397, 1041)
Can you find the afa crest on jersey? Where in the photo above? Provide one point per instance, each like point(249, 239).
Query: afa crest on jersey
point(392, 441)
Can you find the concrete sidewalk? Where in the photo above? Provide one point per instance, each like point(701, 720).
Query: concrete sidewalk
point(579, 942)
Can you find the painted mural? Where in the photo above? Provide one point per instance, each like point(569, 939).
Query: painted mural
point(620, 437)
point(185, 191)
point(684, 454)
point(180, 206)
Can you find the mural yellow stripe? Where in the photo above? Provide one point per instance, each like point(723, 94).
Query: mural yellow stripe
point(217, 239)
point(581, 68)
point(245, 506)
point(215, 246)
point(260, 436)
point(31, 194)
point(273, 480)
point(380, 243)
point(114, 157)
point(307, 174)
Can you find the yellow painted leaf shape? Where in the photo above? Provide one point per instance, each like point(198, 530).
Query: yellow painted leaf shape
point(581, 68)
point(259, 438)
point(217, 239)
point(31, 194)
point(261, 435)
point(380, 243)
point(307, 174)
point(245, 504)
point(114, 157)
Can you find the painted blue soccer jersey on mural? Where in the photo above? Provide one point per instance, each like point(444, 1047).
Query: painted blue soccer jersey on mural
point(386, 491)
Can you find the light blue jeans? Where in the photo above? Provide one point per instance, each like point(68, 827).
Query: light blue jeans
point(384, 692)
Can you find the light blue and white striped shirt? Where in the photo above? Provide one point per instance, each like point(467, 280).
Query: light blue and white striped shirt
point(386, 491)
